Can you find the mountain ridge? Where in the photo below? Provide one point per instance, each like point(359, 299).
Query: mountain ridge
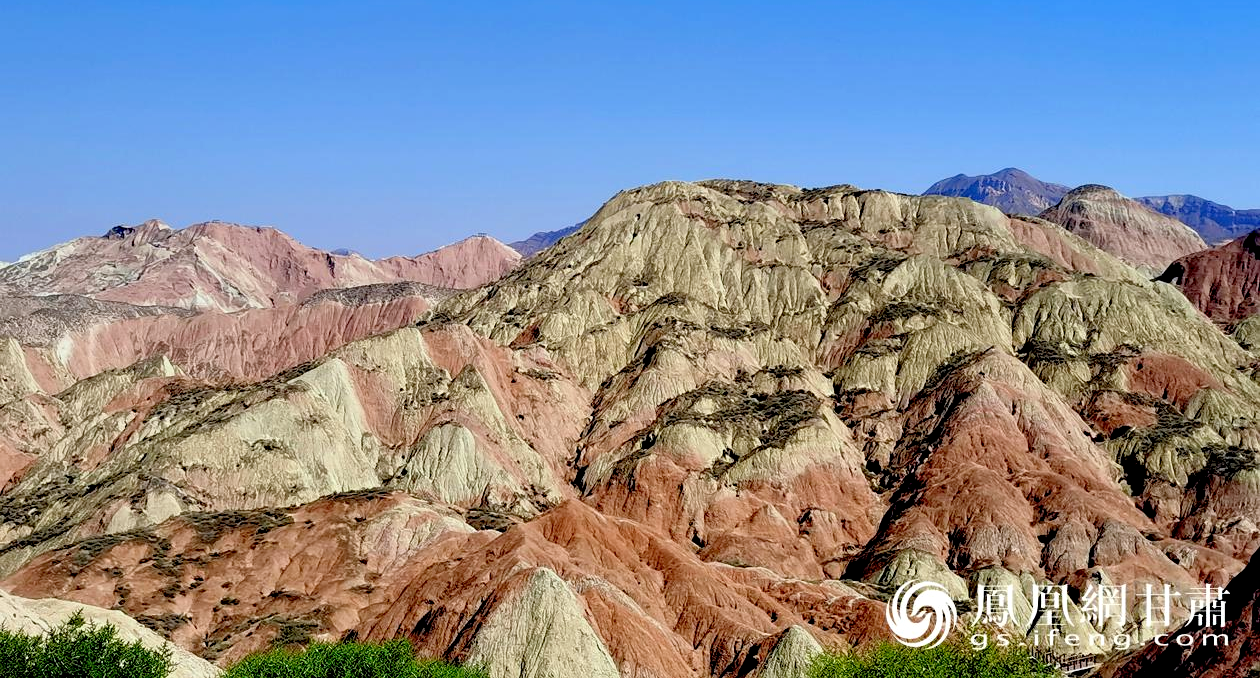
point(1015, 191)
point(542, 240)
point(1215, 222)
point(227, 267)
point(1011, 190)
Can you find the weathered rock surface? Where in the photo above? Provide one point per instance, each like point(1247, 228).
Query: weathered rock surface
point(469, 263)
point(1124, 227)
point(1011, 190)
point(75, 340)
point(142, 446)
point(540, 631)
point(792, 655)
point(37, 617)
point(566, 594)
point(1223, 282)
point(226, 267)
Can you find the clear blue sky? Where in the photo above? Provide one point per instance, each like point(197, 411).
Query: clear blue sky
point(394, 128)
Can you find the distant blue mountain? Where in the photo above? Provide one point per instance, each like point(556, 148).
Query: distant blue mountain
point(1214, 221)
point(1011, 190)
point(541, 241)
point(1015, 191)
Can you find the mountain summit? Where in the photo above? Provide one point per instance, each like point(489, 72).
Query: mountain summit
point(229, 267)
point(1011, 190)
point(1124, 227)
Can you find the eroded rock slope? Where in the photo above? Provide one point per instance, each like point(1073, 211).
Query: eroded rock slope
point(1124, 227)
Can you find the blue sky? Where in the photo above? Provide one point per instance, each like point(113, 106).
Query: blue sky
point(393, 128)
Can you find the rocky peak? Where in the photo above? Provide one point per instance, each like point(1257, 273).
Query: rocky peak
point(469, 263)
point(1124, 227)
point(1097, 191)
point(140, 234)
point(1011, 190)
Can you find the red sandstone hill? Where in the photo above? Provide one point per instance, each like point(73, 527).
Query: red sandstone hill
point(226, 267)
point(1223, 282)
point(1124, 227)
point(72, 338)
point(386, 565)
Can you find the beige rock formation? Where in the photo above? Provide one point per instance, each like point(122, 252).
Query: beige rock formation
point(539, 632)
point(792, 655)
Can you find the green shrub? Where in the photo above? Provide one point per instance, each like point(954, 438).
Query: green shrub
point(951, 660)
point(77, 649)
point(346, 660)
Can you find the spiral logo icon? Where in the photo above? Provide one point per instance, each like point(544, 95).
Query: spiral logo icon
point(921, 614)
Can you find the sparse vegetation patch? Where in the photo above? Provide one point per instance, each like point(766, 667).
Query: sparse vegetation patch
point(79, 648)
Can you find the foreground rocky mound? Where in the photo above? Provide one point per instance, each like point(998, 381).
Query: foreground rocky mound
point(1124, 227)
point(1011, 190)
point(717, 413)
point(1223, 282)
point(561, 595)
point(226, 267)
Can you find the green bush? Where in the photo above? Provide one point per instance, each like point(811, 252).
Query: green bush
point(951, 660)
point(77, 649)
point(394, 659)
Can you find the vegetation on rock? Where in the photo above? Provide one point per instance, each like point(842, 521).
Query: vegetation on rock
point(394, 659)
point(950, 660)
point(79, 648)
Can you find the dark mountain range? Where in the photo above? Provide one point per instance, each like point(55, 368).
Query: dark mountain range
point(1215, 222)
point(1011, 190)
point(541, 241)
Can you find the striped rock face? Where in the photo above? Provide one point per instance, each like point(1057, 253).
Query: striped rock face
point(1125, 227)
point(1199, 649)
point(227, 267)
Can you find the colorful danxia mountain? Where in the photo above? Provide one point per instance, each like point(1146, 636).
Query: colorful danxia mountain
point(709, 431)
